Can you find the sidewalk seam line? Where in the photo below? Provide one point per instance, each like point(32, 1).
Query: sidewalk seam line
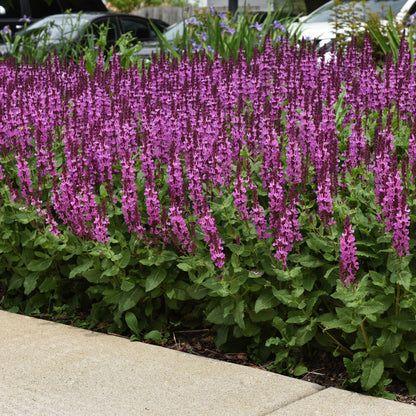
point(294, 401)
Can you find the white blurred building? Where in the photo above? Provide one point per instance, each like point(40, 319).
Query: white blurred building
point(292, 6)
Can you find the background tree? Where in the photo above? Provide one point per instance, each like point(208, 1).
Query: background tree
point(127, 6)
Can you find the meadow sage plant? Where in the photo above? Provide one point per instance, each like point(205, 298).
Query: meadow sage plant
point(270, 196)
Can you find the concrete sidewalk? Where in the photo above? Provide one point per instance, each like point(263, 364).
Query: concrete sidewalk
point(53, 369)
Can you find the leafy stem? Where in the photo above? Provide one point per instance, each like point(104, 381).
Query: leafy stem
point(341, 346)
point(363, 331)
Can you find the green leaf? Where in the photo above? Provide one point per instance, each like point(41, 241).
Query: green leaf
point(263, 316)
point(103, 191)
point(81, 268)
point(15, 282)
point(238, 312)
point(126, 285)
point(402, 278)
point(164, 42)
point(284, 296)
point(404, 356)
point(41, 254)
point(373, 369)
point(214, 284)
point(330, 271)
point(398, 265)
point(222, 335)
point(197, 292)
point(300, 370)
point(378, 279)
point(318, 245)
point(94, 276)
point(372, 306)
point(49, 283)
point(239, 279)
point(296, 317)
point(30, 282)
point(165, 256)
point(283, 275)
point(310, 261)
point(279, 323)
point(353, 367)
point(155, 278)
point(125, 259)
point(132, 323)
point(127, 300)
point(216, 316)
point(277, 341)
point(147, 261)
point(265, 301)
point(25, 218)
point(39, 265)
point(404, 320)
point(112, 271)
point(305, 334)
point(154, 336)
point(179, 291)
point(184, 266)
point(309, 280)
point(389, 341)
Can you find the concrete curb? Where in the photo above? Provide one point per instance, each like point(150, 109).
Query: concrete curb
point(52, 369)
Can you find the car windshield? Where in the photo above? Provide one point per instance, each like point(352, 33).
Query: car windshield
point(325, 13)
point(57, 27)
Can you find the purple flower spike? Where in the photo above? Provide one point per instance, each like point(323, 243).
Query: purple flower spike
point(349, 265)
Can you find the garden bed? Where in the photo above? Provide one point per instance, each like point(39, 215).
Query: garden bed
point(271, 200)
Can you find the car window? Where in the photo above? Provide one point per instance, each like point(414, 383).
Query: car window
point(139, 28)
point(110, 24)
point(412, 9)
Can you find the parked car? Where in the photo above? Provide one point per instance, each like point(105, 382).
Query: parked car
point(318, 25)
point(14, 13)
point(62, 29)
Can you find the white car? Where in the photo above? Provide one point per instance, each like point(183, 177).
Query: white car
point(317, 25)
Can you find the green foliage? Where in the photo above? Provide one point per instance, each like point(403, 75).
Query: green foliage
point(127, 6)
point(276, 312)
point(355, 20)
point(226, 35)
